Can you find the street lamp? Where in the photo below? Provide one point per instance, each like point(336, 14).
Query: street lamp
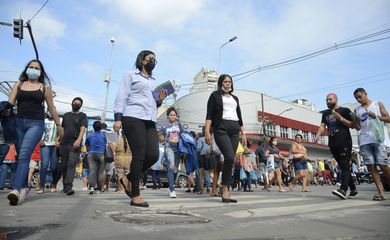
point(271, 120)
point(220, 49)
point(107, 79)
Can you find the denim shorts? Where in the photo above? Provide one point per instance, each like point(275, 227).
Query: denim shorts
point(85, 172)
point(300, 165)
point(277, 163)
point(374, 153)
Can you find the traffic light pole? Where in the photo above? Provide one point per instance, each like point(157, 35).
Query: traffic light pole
point(28, 25)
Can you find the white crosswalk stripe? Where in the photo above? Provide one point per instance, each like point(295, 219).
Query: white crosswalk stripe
point(256, 206)
point(298, 209)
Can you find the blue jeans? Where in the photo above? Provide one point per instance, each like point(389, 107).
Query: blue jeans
point(4, 148)
point(172, 157)
point(48, 156)
point(156, 178)
point(29, 133)
point(4, 173)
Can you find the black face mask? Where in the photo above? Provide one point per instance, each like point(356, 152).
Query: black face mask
point(75, 107)
point(331, 105)
point(150, 66)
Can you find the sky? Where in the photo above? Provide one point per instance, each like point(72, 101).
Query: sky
point(73, 40)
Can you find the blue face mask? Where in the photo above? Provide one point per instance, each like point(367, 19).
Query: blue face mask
point(33, 73)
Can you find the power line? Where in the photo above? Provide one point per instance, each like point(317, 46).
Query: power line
point(39, 10)
point(348, 43)
point(336, 46)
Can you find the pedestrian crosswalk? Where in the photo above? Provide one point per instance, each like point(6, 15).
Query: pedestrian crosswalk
point(260, 204)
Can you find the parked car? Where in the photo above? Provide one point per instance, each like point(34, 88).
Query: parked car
point(180, 180)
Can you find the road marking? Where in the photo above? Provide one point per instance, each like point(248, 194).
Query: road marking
point(299, 209)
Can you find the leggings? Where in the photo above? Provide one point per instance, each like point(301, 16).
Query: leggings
point(96, 170)
point(143, 141)
point(227, 138)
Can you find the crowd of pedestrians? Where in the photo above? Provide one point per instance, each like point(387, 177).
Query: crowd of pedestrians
point(217, 161)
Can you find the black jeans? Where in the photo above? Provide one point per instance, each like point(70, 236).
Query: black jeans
point(69, 159)
point(342, 154)
point(143, 141)
point(227, 136)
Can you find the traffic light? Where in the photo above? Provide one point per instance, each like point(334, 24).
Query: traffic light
point(18, 28)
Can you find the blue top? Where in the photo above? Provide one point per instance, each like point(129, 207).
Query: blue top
point(202, 147)
point(96, 142)
point(135, 98)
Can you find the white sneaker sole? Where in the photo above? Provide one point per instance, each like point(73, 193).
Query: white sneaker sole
point(340, 195)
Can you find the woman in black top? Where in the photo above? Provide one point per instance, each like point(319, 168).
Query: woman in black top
point(224, 117)
point(29, 93)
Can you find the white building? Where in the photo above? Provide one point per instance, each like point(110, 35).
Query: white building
point(260, 113)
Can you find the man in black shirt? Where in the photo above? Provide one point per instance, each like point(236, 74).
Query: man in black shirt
point(338, 121)
point(74, 124)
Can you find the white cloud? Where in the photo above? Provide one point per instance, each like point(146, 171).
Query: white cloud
point(91, 69)
point(155, 14)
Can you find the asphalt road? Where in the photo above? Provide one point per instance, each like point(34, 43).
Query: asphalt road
point(257, 215)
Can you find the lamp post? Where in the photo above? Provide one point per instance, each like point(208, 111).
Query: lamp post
point(271, 120)
point(220, 49)
point(107, 79)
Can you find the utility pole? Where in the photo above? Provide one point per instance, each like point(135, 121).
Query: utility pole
point(262, 116)
point(174, 94)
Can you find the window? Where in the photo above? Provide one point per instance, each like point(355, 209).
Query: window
point(294, 132)
point(312, 136)
point(305, 135)
point(283, 132)
point(270, 130)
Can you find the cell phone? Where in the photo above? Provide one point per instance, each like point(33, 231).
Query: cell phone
point(354, 116)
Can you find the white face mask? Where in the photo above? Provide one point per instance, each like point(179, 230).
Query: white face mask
point(226, 90)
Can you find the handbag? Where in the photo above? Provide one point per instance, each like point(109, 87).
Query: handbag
point(108, 155)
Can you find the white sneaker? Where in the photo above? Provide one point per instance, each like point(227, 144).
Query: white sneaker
point(172, 194)
point(91, 191)
point(23, 193)
point(85, 189)
point(13, 197)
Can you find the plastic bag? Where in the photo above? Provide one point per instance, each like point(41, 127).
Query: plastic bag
point(242, 174)
point(378, 128)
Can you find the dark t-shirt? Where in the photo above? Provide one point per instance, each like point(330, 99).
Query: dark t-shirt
point(260, 152)
point(71, 123)
point(339, 134)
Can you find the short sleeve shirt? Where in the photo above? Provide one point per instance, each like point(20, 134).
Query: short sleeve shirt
point(72, 122)
point(339, 134)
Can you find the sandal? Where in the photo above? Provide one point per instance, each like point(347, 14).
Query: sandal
point(128, 193)
point(378, 197)
point(291, 187)
point(215, 195)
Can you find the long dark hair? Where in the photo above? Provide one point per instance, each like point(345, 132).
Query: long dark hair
point(220, 80)
point(141, 56)
point(43, 78)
